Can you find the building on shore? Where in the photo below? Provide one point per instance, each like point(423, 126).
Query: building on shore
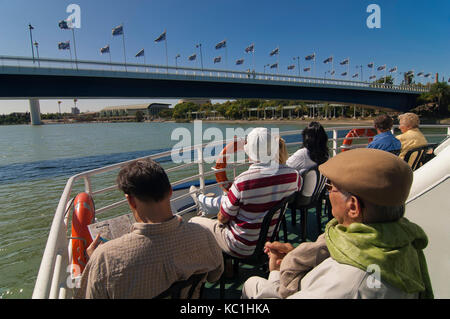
point(75, 110)
point(148, 110)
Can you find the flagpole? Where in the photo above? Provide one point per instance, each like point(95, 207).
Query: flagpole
point(75, 48)
point(124, 51)
point(385, 74)
point(278, 59)
point(348, 68)
point(70, 51)
point(167, 57)
point(226, 56)
point(314, 64)
point(31, 39)
point(254, 70)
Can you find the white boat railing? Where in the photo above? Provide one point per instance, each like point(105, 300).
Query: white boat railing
point(54, 279)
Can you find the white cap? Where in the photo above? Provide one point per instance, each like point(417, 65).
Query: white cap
point(261, 146)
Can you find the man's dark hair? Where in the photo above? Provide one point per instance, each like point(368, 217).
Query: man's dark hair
point(144, 179)
point(383, 122)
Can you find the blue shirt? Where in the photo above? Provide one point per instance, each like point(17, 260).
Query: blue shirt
point(385, 141)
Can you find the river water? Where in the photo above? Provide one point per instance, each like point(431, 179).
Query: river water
point(35, 163)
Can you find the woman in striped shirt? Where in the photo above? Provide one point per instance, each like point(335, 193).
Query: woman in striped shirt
point(251, 196)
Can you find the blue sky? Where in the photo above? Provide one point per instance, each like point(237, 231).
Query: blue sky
point(414, 34)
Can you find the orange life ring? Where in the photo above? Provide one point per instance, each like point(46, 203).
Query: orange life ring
point(356, 132)
point(221, 162)
point(83, 215)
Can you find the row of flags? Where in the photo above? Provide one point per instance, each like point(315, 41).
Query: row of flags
point(119, 30)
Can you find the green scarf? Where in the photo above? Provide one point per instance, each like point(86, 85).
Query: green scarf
point(396, 247)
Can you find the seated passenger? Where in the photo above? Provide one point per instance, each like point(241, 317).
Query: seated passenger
point(160, 250)
point(384, 140)
point(314, 151)
point(209, 204)
point(374, 251)
point(411, 136)
point(251, 196)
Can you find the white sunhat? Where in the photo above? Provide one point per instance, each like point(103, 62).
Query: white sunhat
point(261, 145)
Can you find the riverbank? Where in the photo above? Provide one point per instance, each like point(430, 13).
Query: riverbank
point(305, 121)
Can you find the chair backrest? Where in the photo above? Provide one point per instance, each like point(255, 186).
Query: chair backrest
point(395, 152)
point(194, 283)
point(421, 157)
point(313, 184)
point(259, 255)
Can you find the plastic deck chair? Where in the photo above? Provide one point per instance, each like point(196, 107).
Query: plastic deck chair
point(194, 283)
point(259, 258)
point(310, 196)
point(422, 155)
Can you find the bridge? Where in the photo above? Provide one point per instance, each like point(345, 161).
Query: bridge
point(25, 78)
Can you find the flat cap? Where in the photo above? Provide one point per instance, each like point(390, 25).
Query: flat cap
point(376, 176)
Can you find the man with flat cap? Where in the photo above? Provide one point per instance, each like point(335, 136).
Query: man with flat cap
point(369, 250)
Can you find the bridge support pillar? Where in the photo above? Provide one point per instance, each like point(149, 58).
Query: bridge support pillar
point(35, 112)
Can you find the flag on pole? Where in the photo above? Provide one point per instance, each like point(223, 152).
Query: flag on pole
point(250, 48)
point(64, 45)
point(355, 75)
point(333, 72)
point(344, 62)
point(217, 59)
point(394, 69)
point(104, 49)
point(306, 69)
point(344, 74)
point(275, 51)
point(330, 59)
point(239, 62)
point(221, 44)
point(372, 77)
point(31, 27)
point(63, 24)
point(275, 65)
point(291, 67)
point(370, 65)
point(310, 57)
point(382, 67)
point(162, 37)
point(192, 57)
point(140, 53)
point(117, 30)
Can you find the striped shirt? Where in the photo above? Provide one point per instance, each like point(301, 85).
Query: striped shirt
point(250, 197)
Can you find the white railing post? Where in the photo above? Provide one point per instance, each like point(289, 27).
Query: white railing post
point(87, 185)
point(201, 171)
point(335, 136)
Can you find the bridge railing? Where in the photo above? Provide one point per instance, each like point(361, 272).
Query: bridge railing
point(141, 70)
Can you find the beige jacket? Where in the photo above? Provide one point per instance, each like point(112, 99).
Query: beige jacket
point(149, 260)
point(299, 262)
point(411, 139)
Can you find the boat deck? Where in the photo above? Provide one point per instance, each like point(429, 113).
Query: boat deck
point(233, 286)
